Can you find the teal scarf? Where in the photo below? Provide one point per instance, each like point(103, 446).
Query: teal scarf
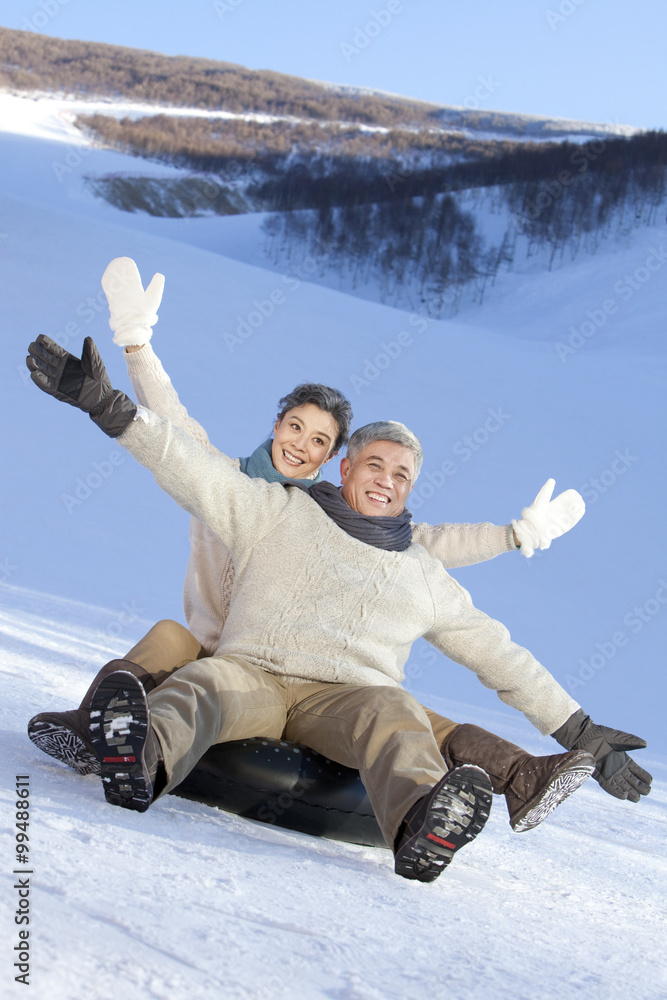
point(260, 466)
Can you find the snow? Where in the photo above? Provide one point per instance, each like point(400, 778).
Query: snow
point(55, 115)
point(187, 901)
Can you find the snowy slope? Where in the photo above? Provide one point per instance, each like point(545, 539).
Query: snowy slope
point(189, 902)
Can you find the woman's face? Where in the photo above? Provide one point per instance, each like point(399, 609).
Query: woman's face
point(302, 441)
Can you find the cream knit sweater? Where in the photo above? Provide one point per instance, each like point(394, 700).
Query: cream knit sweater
point(311, 602)
point(210, 574)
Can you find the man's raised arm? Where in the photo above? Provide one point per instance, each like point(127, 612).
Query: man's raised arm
point(457, 545)
point(482, 644)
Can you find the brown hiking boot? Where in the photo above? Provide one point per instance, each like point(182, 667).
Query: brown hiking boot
point(541, 783)
point(533, 786)
point(66, 735)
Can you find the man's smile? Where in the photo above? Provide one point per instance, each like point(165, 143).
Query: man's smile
point(378, 497)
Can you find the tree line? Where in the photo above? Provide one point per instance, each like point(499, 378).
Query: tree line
point(33, 62)
point(390, 214)
point(423, 247)
point(305, 166)
point(207, 143)
point(30, 61)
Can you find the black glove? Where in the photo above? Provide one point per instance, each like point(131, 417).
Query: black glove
point(616, 772)
point(83, 383)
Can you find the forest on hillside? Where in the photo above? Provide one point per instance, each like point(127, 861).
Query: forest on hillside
point(208, 143)
point(382, 204)
point(419, 242)
point(382, 183)
point(287, 167)
point(433, 249)
point(33, 62)
point(29, 61)
point(291, 166)
point(308, 165)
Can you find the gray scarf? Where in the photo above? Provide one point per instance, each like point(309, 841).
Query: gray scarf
point(391, 533)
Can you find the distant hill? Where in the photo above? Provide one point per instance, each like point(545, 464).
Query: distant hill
point(372, 176)
point(29, 61)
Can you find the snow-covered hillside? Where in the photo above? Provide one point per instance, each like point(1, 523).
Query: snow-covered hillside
point(189, 902)
point(558, 374)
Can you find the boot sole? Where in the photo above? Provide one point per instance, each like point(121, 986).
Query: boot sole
point(119, 726)
point(459, 807)
point(65, 745)
point(572, 777)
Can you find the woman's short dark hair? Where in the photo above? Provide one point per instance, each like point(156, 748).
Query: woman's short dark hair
point(330, 400)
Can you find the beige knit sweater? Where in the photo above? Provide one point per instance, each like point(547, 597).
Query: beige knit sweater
point(210, 574)
point(312, 602)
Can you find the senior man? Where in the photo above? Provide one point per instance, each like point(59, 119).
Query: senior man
point(329, 597)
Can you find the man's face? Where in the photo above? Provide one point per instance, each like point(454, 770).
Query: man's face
point(379, 479)
point(302, 441)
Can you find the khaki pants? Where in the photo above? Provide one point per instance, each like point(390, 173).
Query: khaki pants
point(383, 732)
point(169, 646)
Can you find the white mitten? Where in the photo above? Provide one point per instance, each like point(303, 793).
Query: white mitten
point(132, 311)
point(547, 519)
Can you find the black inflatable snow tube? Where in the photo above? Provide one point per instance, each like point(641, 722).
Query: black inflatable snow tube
point(291, 786)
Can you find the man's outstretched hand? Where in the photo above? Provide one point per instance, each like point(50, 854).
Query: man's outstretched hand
point(81, 382)
point(547, 519)
point(616, 771)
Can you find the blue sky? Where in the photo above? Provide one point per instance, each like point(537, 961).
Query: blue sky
point(594, 60)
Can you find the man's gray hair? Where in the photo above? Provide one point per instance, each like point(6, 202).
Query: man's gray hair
point(386, 430)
